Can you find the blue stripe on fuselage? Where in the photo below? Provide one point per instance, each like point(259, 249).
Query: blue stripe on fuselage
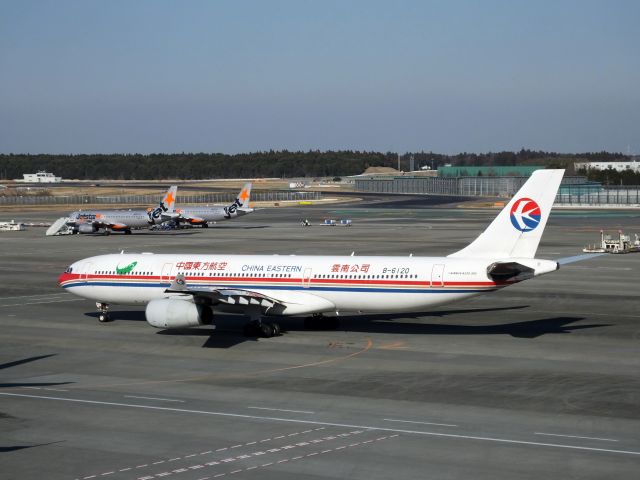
point(286, 287)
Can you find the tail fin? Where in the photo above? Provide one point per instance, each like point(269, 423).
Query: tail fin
point(169, 199)
point(517, 229)
point(244, 196)
point(240, 205)
point(167, 204)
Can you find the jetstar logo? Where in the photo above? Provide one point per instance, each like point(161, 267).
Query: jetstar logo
point(155, 213)
point(232, 209)
point(127, 269)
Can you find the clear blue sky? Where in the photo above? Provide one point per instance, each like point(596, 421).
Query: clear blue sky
point(238, 76)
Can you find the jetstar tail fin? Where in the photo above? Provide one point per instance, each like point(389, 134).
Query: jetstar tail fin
point(166, 206)
point(169, 199)
point(244, 196)
point(516, 231)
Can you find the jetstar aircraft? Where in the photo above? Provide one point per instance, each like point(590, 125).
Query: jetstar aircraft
point(184, 290)
point(203, 215)
point(93, 221)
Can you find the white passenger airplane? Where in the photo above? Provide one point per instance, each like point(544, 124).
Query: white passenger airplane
point(203, 215)
point(93, 221)
point(183, 290)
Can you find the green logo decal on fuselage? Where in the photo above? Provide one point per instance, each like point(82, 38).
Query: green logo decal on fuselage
point(127, 269)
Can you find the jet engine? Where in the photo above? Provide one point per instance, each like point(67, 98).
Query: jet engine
point(176, 313)
point(85, 228)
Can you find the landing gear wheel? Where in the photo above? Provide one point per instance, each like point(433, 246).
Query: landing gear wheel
point(127, 232)
point(277, 331)
point(205, 225)
point(259, 329)
point(266, 330)
point(103, 314)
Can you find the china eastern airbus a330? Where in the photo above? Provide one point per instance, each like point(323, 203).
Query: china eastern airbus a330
point(183, 290)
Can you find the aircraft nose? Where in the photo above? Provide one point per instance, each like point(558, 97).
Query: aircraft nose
point(64, 276)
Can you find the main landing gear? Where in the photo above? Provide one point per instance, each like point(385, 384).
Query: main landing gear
point(103, 314)
point(258, 328)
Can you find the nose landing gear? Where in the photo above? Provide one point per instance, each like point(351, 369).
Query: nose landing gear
point(103, 314)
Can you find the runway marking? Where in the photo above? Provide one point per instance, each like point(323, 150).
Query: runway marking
point(260, 453)
point(59, 294)
point(211, 451)
point(327, 424)
point(154, 398)
point(421, 423)
point(281, 410)
point(41, 303)
point(576, 436)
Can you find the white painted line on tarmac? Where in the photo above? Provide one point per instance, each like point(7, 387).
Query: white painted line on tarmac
point(328, 424)
point(40, 295)
point(281, 410)
point(576, 436)
point(420, 423)
point(155, 398)
point(42, 303)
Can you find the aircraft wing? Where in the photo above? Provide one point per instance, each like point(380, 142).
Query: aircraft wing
point(181, 216)
point(231, 296)
point(290, 303)
point(89, 225)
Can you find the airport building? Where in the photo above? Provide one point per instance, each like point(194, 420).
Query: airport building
point(481, 186)
point(575, 190)
point(633, 165)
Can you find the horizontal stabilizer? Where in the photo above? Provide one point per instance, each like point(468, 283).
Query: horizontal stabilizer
point(579, 258)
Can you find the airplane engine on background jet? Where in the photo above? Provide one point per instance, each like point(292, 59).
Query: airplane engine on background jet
point(85, 228)
point(176, 313)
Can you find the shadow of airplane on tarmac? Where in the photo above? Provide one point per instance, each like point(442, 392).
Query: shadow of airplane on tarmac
point(526, 329)
point(13, 448)
point(228, 327)
point(28, 384)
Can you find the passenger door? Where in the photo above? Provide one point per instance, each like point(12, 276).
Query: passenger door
point(437, 276)
point(306, 278)
point(86, 270)
point(165, 275)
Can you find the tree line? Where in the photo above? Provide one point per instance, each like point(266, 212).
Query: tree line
point(279, 164)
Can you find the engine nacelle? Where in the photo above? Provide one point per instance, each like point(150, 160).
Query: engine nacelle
point(176, 313)
point(85, 228)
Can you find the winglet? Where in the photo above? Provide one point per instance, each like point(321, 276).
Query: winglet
point(178, 285)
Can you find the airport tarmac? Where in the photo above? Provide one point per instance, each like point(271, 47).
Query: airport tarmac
point(539, 380)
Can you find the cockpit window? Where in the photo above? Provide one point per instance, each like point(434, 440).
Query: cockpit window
point(69, 270)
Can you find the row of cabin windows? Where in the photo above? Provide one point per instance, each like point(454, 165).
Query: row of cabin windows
point(110, 272)
point(263, 275)
point(367, 277)
point(218, 274)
